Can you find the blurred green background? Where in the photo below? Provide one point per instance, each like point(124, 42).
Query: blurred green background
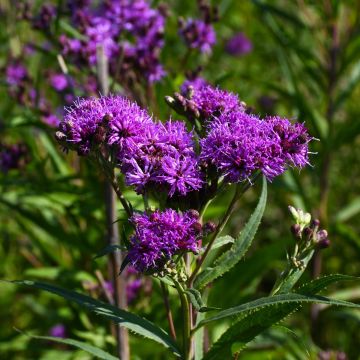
point(305, 65)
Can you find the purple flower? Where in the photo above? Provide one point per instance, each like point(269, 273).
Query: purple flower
point(161, 235)
point(58, 330)
point(196, 84)
point(162, 158)
point(212, 102)
point(15, 74)
point(132, 289)
point(51, 120)
point(89, 122)
point(294, 140)
point(238, 145)
point(180, 173)
point(238, 45)
point(80, 125)
point(140, 27)
point(198, 34)
point(128, 124)
point(58, 81)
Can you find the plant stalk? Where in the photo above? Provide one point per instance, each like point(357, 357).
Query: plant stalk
point(115, 258)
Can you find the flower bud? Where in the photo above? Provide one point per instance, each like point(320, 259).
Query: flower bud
point(197, 227)
point(308, 233)
point(296, 230)
point(209, 227)
point(315, 223)
point(194, 213)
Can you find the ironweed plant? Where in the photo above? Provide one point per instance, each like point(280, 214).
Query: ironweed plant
point(167, 144)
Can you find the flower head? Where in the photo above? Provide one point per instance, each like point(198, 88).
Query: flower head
point(159, 236)
point(213, 102)
point(238, 45)
point(198, 34)
point(58, 81)
point(15, 74)
point(239, 144)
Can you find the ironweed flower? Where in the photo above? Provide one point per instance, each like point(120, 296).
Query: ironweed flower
point(198, 34)
point(238, 45)
point(212, 102)
point(239, 144)
point(15, 74)
point(161, 235)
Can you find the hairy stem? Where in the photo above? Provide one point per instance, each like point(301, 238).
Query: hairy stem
point(168, 310)
point(186, 321)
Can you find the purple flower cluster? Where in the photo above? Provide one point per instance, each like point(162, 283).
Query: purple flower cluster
point(161, 235)
point(239, 144)
point(198, 34)
point(139, 27)
point(149, 153)
point(238, 45)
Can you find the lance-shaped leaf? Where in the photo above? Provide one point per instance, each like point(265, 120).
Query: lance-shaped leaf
point(131, 321)
point(93, 350)
point(239, 248)
point(260, 318)
point(197, 301)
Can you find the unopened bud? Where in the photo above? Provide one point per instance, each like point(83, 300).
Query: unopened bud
point(308, 233)
point(209, 227)
point(197, 227)
point(323, 244)
point(194, 213)
point(315, 223)
point(296, 230)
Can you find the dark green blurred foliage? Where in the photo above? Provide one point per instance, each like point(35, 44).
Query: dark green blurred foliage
point(306, 59)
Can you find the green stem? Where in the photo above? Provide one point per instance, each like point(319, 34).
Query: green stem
point(238, 192)
point(186, 320)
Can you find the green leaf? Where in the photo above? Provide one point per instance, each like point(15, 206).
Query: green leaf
point(131, 321)
point(259, 318)
point(197, 301)
point(93, 350)
point(239, 248)
point(276, 300)
point(350, 210)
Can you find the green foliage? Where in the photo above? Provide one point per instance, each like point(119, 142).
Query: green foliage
point(260, 314)
point(242, 243)
point(98, 353)
point(131, 321)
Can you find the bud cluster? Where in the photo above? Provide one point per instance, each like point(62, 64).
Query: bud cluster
point(307, 231)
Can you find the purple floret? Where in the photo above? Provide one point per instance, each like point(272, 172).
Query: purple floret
point(180, 173)
point(238, 45)
point(213, 102)
point(161, 235)
point(198, 35)
point(58, 330)
point(15, 74)
point(195, 83)
point(58, 81)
